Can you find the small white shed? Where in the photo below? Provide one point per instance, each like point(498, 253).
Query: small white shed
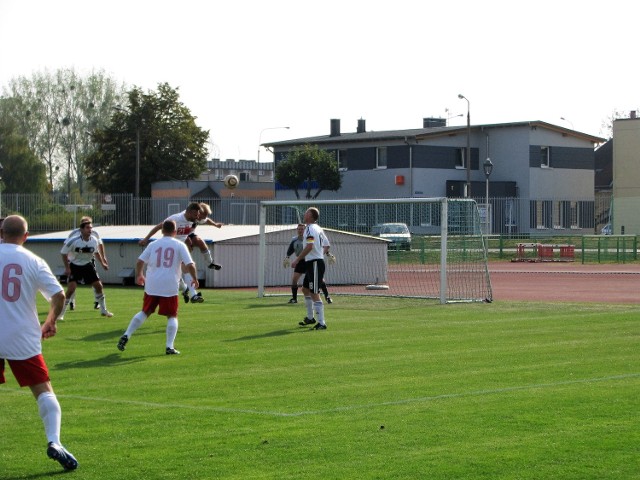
point(361, 259)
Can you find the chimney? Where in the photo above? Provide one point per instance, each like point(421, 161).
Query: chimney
point(361, 126)
point(335, 127)
point(632, 114)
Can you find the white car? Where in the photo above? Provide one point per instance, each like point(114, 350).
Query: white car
point(397, 233)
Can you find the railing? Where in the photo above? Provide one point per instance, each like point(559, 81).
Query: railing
point(515, 218)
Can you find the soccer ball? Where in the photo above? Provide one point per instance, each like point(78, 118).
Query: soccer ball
point(231, 181)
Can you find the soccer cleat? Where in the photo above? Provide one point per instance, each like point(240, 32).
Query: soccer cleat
point(72, 306)
point(106, 314)
point(215, 266)
point(96, 305)
point(329, 300)
point(320, 326)
point(197, 298)
point(293, 300)
point(62, 456)
point(185, 295)
point(122, 342)
point(307, 321)
point(172, 351)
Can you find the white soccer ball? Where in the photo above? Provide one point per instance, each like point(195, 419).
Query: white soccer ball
point(231, 181)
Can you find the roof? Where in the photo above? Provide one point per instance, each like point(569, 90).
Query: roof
point(133, 233)
point(416, 134)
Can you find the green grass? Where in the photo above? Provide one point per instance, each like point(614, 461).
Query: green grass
point(394, 389)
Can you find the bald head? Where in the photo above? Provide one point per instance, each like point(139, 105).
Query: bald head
point(14, 229)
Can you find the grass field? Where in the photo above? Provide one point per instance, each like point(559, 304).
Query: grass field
point(394, 389)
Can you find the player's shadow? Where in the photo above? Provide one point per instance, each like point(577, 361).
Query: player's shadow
point(110, 360)
point(39, 475)
point(275, 333)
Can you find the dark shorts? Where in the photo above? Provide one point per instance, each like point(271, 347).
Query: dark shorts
point(314, 275)
point(301, 267)
point(83, 274)
point(31, 371)
point(167, 306)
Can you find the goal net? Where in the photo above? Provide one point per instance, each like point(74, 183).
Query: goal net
point(384, 247)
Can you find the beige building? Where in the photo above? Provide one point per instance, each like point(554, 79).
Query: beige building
point(626, 176)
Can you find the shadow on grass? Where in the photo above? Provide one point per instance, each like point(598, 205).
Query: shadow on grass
point(110, 360)
point(275, 333)
point(39, 475)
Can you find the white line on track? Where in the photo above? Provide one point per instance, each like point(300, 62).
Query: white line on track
point(345, 408)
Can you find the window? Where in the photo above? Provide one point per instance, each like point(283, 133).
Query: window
point(244, 177)
point(342, 161)
point(461, 154)
point(545, 157)
point(381, 157)
point(541, 214)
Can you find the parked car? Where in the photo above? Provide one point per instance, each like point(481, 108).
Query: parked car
point(397, 233)
point(606, 230)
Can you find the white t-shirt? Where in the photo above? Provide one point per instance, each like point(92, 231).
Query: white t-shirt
point(80, 251)
point(314, 235)
point(164, 258)
point(183, 226)
point(22, 275)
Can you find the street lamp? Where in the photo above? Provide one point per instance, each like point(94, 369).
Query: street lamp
point(137, 187)
point(1, 170)
point(468, 155)
point(568, 121)
point(260, 138)
point(488, 167)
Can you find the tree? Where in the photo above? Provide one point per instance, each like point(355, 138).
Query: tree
point(172, 146)
point(55, 112)
point(307, 168)
point(22, 172)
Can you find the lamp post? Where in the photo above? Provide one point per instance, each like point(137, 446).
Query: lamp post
point(468, 155)
point(488, 167)
point(1, 170)
point(260, 139)
point(137, 186)
point(568, 121)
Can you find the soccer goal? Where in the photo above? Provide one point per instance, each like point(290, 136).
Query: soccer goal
point(384, 247)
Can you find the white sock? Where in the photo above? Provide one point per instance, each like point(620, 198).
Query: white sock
point(51, 415)
point(188, 279)
point(135, 323)
point(309, 304)
point(95, 295)
point(102, 302)
point(207, 255)
point(64, 309)
point(181, 285)
point(319, 308)
point(172, 331)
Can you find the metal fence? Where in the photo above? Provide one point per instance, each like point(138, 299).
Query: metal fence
point(511, 217)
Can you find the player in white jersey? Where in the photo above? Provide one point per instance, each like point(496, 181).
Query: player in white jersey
point(313, 255)
point(164, 259)
point(193, 240)
point(76, 231)
point(295, 247)
point(22, 276)
point(184, 226)
point(78, 254)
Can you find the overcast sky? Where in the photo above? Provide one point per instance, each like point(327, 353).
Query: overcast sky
point(245, 67)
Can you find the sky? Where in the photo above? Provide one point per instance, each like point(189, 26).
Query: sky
point(246, 69)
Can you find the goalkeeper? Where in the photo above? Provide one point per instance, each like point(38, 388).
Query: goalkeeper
point(295, 247)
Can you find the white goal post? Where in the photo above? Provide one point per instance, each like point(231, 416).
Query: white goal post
point(441, 260)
